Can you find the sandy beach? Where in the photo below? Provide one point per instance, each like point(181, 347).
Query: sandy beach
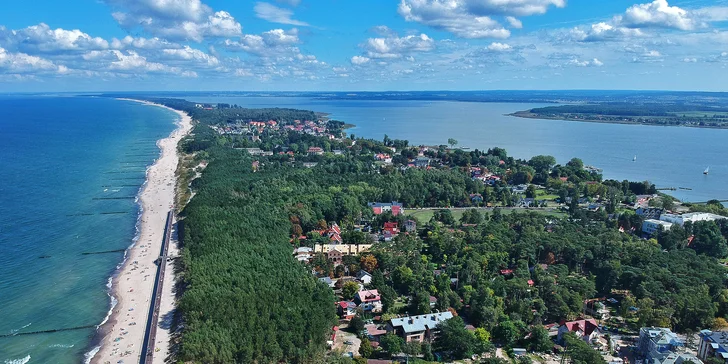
point(123, 333)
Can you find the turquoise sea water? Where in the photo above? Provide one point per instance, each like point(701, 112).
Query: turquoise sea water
point(667, 156)
point(61, 158)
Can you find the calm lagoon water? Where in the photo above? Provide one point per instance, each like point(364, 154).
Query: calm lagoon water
point(667, 156)
point(58, 156)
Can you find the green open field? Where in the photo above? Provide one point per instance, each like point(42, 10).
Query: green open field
point(425, 215)
point(543, 195)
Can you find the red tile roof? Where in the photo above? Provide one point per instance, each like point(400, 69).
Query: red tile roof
point(369, 296)
point(585, 326)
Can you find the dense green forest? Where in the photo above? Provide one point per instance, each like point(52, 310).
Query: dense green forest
point(246, 299)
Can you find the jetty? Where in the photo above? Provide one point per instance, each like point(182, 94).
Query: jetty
point(150, 334)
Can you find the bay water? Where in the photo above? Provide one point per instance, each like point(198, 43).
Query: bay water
point(70, 170)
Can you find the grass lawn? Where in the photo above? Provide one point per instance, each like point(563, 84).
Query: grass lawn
point(425, 215)
point(543, 195)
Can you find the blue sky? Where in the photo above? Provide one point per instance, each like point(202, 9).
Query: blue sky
point(196, 45)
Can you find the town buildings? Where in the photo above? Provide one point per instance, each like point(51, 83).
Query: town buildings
point(651, 226)
point(713, 344)
point(690, 217)
point(379, 208)
point(420, 328)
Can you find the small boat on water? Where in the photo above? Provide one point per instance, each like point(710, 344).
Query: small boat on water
point(634, 159)
point(706, 171)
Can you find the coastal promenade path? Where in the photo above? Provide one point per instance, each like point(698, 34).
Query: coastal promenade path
point(147, 353)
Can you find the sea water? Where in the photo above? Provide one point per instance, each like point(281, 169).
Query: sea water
point(70, 171)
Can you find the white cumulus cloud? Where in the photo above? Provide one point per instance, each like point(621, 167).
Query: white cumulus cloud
point(585, 63)
point(21, 63)
point(359, 60)
point(473, 18)
point(658, 14)
point(272, 42)
point(276, 14)
point(396, 47)
point(499, 47)
point(175, 19)
point(42, 39)
point(514, 23)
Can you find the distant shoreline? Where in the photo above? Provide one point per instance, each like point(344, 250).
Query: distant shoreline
point(527, 114)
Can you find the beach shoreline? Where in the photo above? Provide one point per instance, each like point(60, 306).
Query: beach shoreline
point(121, 334)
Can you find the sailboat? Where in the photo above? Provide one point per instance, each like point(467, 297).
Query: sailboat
point(634, 159)
point(706, 171)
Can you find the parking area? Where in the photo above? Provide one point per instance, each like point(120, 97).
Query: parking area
point(347, 342)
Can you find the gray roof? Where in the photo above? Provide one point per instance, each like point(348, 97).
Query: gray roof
point(674, 358)
point(422, 322)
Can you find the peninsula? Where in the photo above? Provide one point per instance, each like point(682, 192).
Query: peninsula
point(660, 114)
point(322, 244)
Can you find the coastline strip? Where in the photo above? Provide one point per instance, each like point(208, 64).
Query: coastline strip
point(121, 335)
point(150, 334)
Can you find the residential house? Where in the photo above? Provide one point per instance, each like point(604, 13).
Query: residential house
point(381, 207)
point(334, 256)
point(364, 277)
point(346, 310)
point(369, 301)
point(476, 198)
point(303, 254)
point(649, 212)
point(422, 328)
point(585, 329)
point(713, 344)
point(651, 226)
point(678, 358)
point(327, 281)
point(374, 333)
point(422, 162)
point(386, 158)
point(315, 151)
point(257, 151)
point(643, 200)
point(527, 202)
point(345, 249)
point(391, 229)
point(657, 343)
point(410, 226)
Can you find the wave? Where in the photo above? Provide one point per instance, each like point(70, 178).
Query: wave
point(63, 346)
point(15, 331)
point(18, 361)
point(90, 355)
